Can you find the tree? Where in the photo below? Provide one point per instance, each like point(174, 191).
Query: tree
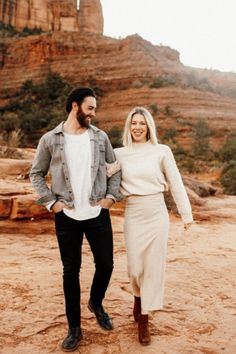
point(115, 136)
point(201, 147)
point(228, 178)
point(228, 150)
point(227, 154)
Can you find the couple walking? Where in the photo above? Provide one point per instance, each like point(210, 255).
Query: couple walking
point(86, 180)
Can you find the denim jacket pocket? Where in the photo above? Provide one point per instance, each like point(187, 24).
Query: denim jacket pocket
point(102, 151)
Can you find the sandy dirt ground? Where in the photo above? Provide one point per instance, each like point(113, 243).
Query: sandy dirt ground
point(199, 315)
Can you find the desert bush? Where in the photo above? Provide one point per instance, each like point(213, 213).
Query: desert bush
point(14, 138)
point(163, 81)
point(10, 31)
point(9, 121)
point(228, 150)
point(30, 31)
point(170, 134)
point(153, 108)
point(192, 80)
point(7, 152)
point(227, 154)
point(115, 136)
point(35, 107)
point(201, 147)
point(228, 178)
point(188, 164)
point(7, 30)
point(168, 111)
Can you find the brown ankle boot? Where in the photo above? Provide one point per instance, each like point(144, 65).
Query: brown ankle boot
point(137, 308)
point(143, 330)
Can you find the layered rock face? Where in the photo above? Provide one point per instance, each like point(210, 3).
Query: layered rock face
point(123, 69)
point(79, 58)
point(53, 15)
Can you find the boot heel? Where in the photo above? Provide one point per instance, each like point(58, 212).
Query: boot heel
point(137, 308)
point(143, 330)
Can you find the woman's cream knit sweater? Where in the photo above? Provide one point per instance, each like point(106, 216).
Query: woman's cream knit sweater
point(150, 169)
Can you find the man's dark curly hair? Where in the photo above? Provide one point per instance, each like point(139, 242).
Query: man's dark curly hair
point(78, 95)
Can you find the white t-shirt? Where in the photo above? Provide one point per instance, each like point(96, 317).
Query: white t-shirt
point(78, 157)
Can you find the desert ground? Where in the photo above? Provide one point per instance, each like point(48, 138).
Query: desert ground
point(199, 314)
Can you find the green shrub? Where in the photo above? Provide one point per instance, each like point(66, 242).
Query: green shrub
point(36, 108)
point(228, 150)
point(10, 31)
point(191, 79)
point(170, 134)
point(153, 108)
point(9, 121)
point(201, 148)
point(163, 81)
point(228, 178)
point(115, 136)
point(30, 31)
point(168, 111)
point(188, 164)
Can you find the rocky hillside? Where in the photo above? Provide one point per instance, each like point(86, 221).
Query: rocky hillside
point(128, 72)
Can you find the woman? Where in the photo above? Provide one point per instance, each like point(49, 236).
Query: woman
point(148, 169)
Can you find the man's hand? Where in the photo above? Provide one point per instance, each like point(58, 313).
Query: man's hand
point(105, 203)
point(58, 206)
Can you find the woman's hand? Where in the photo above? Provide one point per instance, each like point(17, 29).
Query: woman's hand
point(105, 203)
point(187, 226)
point(112, 168)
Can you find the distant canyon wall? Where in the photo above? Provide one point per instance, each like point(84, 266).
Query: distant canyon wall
point(53, 15)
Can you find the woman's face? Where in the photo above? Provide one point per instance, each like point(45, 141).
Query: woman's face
point(138, 128)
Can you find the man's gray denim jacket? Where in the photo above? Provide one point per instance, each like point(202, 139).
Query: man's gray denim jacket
point(50, 156)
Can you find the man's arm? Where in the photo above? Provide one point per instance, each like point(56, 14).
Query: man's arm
point(39, 170)
point(113, 182)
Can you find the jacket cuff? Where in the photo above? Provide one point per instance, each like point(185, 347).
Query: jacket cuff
point(49, 206)
point(46, 199)
point(111, 197)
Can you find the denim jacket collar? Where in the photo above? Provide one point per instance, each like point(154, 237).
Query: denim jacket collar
point(91, 129)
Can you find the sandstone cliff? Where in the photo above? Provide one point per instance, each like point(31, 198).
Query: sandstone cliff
point(53, 15)
point(126, 70)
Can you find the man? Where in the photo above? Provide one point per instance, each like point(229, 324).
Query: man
point(81, 194)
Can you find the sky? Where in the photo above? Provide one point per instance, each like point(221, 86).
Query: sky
point(202, 31)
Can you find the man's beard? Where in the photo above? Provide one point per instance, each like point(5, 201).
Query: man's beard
point(83, 119)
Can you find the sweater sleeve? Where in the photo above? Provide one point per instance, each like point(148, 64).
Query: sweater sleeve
point(176, 186)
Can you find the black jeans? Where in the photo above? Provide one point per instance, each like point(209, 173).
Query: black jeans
point(98, 232)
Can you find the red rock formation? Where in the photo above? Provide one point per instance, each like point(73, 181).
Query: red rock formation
point(90, 16)
point(64, 15)
point(53, 15)
point(123, 69)
point(5, 206)
point(25, 207)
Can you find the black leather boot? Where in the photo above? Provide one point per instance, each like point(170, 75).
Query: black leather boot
point(143, 330)
point(71, 342)
point(102, 317)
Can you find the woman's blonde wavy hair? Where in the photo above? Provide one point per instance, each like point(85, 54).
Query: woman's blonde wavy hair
point(151, 135)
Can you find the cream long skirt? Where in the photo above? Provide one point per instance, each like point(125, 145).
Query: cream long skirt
point(146, 229)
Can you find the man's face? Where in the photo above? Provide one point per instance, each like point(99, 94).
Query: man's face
point(86, 111)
